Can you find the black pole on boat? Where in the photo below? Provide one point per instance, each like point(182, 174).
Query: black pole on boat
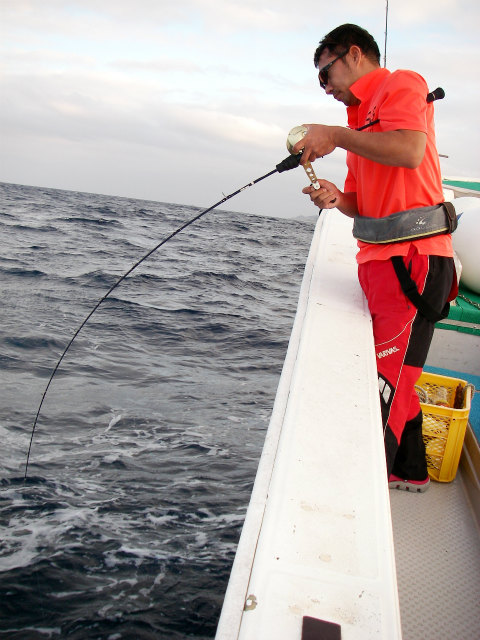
point(288, 163)
point(436, 94)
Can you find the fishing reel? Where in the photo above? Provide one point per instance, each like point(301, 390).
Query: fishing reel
point(294, 136)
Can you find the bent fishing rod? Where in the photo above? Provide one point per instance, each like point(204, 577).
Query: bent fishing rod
point(290, 162)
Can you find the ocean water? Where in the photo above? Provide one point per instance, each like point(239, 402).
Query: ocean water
point(146, 449)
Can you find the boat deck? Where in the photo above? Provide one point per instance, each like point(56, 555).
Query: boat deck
point(437, 553)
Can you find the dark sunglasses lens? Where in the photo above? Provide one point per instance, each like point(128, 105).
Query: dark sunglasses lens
point(323, 78)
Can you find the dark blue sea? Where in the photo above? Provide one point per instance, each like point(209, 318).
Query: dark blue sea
point(146, 448)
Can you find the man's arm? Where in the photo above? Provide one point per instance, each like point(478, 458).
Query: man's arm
point(402, 148)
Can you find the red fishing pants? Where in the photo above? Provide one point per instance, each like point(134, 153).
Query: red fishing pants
point(402, 338)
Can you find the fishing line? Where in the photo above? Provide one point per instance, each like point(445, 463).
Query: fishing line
point(288, 163)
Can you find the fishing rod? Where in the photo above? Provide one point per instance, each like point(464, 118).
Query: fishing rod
point(290, 162)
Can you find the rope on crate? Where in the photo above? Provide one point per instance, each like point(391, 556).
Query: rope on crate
point(421, 393)
point(459, 399)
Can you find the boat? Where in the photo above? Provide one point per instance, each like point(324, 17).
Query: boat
point(461, 186)
point(327, 550)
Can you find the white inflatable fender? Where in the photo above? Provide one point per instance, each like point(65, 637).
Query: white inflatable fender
point(466, 240)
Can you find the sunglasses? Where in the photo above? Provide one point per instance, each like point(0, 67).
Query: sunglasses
point(323, 73)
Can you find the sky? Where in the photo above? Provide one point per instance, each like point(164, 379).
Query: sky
point(186, 102)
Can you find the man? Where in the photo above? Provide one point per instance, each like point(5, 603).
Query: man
point(393, 167)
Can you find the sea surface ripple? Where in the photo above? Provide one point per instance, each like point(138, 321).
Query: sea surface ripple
point(147, 445)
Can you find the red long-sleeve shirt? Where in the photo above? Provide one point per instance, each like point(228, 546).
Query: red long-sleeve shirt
point(398, 100)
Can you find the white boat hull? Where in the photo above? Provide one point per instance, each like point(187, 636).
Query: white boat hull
point(317, 539)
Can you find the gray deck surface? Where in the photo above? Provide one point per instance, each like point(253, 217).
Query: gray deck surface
point(437, 551)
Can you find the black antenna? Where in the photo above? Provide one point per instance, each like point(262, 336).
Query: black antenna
point(386, 36)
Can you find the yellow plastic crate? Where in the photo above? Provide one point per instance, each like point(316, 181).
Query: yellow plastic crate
point(443, 426)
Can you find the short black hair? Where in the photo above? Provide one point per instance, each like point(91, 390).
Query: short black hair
point(345, 36)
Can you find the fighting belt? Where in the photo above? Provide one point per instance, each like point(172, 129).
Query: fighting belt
point(403, 226)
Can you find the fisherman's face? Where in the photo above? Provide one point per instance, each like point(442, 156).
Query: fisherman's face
point(338, 78)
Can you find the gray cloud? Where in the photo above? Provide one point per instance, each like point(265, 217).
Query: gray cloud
point(181, 102)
